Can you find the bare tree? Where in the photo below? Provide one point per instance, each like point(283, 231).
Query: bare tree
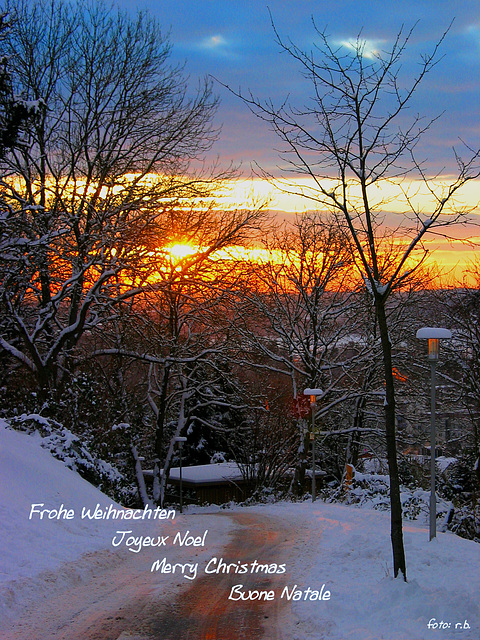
point(178, 329)
point(460, 308)
point(91, 190)
point(352, 139)
point(15, 113)
point(188, 309)
point(298, 315)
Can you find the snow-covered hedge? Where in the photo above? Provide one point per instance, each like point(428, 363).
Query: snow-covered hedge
point(458, 503)
point(459, 483)
point(372, 489)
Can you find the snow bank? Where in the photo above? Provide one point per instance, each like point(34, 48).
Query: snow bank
point(30, 475)
point(43, 558)
point(348, 549)
point(33, 550)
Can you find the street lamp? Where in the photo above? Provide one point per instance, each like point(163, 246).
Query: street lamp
point(433, 335)
point(180, 440)
point(313, 393)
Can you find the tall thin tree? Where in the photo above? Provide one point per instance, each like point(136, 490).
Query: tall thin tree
point(353, 138)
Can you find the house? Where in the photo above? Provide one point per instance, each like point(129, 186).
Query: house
point(216, 483)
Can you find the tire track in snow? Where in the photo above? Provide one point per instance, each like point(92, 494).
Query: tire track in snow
point(205, 612)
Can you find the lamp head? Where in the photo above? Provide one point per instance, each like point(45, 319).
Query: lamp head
point(433, 335)
point(313, 393)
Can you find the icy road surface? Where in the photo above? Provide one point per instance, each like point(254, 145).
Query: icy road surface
point(118, 596)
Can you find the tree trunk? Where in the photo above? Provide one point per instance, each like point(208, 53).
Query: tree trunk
point(142, 489)
point(396, 531)
point(162, 412)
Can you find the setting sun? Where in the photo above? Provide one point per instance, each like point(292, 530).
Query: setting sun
point(179, 251)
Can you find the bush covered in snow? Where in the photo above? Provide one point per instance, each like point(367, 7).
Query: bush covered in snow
point(372, 490)
point(459, 483)
point(458, 504)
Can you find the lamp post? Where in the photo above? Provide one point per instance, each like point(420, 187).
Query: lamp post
point(433, 335)
point(313, 393)
point(180, 440)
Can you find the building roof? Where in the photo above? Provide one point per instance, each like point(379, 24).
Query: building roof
point(208, 474)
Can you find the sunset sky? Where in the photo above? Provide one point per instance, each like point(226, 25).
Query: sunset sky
point(233, 41)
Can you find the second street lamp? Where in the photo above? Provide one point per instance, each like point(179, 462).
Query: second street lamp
point(433, 335)
point(313, 393)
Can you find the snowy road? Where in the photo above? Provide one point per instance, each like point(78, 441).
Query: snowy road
point(64, 579)
point(204, 613)
point(122, 599)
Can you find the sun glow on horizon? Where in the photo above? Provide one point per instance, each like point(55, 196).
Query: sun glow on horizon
point(180, 257)
point(454, 256)
point(179, 251)
point(296, 196)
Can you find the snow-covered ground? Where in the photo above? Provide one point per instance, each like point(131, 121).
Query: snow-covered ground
point(345, 548)
point(348, 549)
point(42, 555)
point(30, 475)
